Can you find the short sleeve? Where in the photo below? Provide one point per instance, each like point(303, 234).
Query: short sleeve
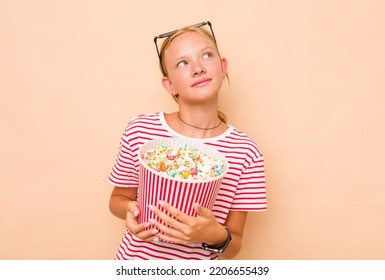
point(251, 190)
point(125, 170)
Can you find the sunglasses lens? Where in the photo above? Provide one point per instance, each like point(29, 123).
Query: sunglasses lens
point(170, 33)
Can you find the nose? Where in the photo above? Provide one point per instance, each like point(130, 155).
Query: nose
point(198, 69)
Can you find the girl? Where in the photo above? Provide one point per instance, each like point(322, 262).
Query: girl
point(193, 73)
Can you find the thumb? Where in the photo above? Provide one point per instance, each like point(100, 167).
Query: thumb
point(136, 212)
point(133, 208)
point(201, 211)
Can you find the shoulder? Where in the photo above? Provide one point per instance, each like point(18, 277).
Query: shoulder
point(239, 139)
point(144, 118)
point(145, 127)
point(144, 121)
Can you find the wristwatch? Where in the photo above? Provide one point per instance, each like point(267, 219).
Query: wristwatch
point(222, 247)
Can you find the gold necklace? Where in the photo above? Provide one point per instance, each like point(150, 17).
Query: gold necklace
point(209, 128)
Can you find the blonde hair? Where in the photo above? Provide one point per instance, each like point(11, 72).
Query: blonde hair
point(166, 43)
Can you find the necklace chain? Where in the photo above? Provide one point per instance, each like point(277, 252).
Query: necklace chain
point(209, 128)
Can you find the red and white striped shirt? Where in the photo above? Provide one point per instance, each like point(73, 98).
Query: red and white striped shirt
point(242, 188)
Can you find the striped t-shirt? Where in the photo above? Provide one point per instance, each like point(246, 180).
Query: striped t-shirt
point(242, 188)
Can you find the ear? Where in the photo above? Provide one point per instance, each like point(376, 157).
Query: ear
point(224, 64)
point(168, 86)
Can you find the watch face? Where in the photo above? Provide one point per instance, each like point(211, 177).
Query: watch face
point(211, 249)
point(217, 250)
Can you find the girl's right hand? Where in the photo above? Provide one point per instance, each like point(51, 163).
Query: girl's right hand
point(139, 229)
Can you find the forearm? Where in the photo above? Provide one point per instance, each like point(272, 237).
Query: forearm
point(235, 223)
point(119, 201)
point(220, 238)
point(118, 206)
point(233, 248)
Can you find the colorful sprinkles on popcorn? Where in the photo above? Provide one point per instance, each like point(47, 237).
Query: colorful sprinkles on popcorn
point(183, 162)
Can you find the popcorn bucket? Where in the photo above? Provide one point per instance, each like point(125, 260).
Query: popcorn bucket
point(180, 193)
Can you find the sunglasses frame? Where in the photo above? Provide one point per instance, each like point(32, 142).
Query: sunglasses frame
point(170, 33)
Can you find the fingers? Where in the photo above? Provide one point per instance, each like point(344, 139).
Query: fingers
point(143, 231)
point(169, 234)
point(133, 208)
point(168, 222)
point(201, 211)
point(140, 230)
point(177, 227)
point(178, 216)
point(174, 226)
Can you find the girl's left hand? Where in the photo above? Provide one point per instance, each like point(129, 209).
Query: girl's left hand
point(183, 229)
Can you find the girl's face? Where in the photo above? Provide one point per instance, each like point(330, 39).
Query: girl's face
point(195, 70)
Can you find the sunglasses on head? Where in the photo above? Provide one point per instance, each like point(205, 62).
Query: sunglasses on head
point(170, 33)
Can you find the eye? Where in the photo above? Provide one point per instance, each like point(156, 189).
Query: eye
point(207, 55)
point(182, 63)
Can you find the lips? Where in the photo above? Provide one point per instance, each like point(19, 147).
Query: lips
point(201, 82)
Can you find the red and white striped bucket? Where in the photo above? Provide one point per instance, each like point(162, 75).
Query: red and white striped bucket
point(180, 193)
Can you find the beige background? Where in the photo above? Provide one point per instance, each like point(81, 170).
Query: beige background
point(307, 83)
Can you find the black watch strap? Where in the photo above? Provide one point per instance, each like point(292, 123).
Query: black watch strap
point(221, 248)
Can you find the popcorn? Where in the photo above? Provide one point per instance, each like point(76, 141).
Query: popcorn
point(183, 162)
point(181, 172)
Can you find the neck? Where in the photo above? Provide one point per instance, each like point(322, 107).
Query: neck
point(200, 118)
point(198, 127)
point(174, 122)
